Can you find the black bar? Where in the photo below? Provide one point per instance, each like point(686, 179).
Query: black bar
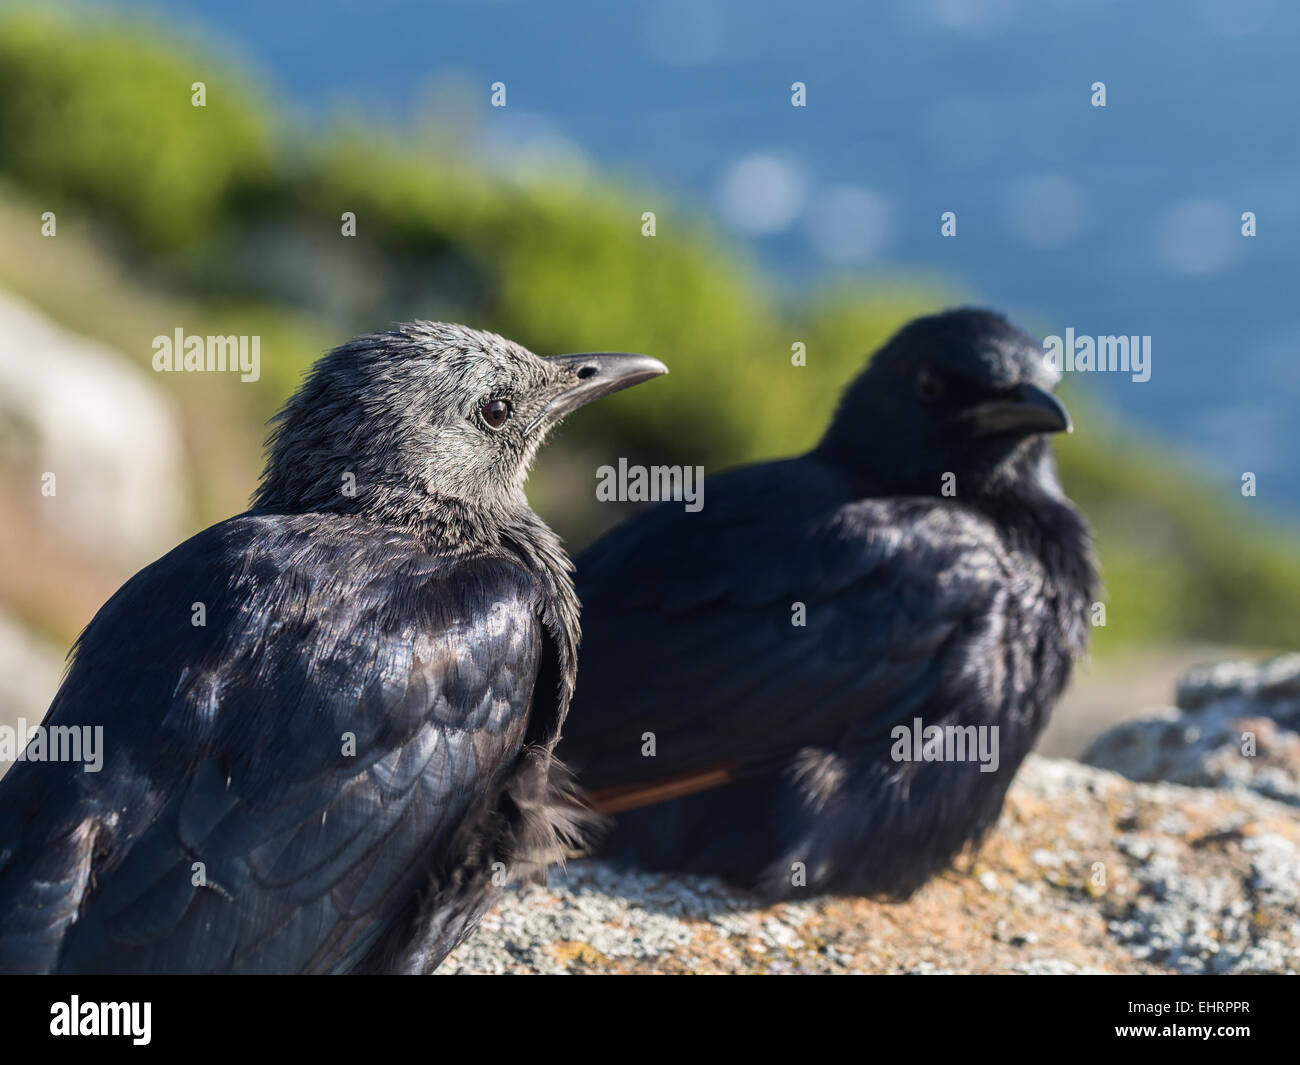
point(501, 1016)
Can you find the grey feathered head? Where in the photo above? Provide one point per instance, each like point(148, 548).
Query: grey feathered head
point(394, 424)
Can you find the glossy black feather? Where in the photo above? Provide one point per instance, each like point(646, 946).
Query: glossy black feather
point(225, 745)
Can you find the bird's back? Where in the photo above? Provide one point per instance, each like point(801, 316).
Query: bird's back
point(299, 714)
point(772, 641)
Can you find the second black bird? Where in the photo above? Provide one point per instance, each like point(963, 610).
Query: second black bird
point(747, 669)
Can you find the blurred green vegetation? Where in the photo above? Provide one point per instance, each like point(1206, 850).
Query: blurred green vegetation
point(83, 115)
point(227, 219)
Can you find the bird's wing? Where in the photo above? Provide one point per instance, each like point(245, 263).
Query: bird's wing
point(296, 714)
point(780, 616)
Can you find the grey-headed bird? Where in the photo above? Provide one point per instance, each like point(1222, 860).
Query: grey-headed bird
point(328, 722)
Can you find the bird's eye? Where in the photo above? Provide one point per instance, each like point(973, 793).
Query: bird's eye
point(928, 387)
point(495, 413)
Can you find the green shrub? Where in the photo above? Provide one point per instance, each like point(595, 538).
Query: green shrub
point(99, 113)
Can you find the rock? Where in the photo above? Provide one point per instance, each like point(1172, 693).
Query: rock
point(1237, 725)
point(1086, 872)
point(77, 409)
point(1274, 682)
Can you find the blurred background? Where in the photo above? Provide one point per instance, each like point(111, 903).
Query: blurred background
point(775, 225)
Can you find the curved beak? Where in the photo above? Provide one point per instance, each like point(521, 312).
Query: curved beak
point(592, 375)
point(1026, 409)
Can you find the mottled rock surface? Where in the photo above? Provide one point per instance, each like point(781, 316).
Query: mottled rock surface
point(1236, 726)
point(1086, 872)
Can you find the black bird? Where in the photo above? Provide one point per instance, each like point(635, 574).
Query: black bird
point(940, 575)
point(328, 722)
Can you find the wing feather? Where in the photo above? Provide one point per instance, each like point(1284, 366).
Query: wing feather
point(280, 783)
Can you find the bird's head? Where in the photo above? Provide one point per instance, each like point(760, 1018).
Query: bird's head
point(394, 424)
point(964, 393)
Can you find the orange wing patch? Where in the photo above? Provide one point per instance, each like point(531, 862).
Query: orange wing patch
point(623, 797)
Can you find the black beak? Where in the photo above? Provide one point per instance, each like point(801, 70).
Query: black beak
point(594, 375)
point(1026, 409)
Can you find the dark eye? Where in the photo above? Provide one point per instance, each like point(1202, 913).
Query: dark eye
point(495, 412)
point(928, 387)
